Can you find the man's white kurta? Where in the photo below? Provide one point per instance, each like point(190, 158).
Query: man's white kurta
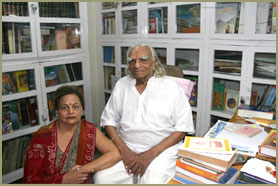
point(145, 120)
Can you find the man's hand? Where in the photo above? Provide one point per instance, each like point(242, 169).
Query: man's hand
point(142, 162)
point(75, 175)
point(129, 158)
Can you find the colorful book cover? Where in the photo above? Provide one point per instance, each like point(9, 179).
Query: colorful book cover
point(153, 25)
point(232, 99)
point(51, 75)
point(22, 80)
point(218, 96)
point(207, 144)
point(158, 14)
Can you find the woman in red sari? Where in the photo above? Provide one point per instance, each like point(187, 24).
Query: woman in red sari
point(63, 151)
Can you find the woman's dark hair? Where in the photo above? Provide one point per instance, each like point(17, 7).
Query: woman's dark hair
point(66, 90)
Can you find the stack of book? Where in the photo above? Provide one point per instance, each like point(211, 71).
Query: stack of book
point(206, 160)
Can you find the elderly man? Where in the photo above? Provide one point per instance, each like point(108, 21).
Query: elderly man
point(146, 117)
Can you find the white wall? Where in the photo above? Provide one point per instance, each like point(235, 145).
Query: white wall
point(93, 56)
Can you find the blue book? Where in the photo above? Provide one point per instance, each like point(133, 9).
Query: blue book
point(182, 180)
point(107, 54)
point(229, 177)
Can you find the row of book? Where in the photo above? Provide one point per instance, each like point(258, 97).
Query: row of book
point(264, 99)
point(16, 38)
point(19, 113)
point(59, 74)
point(205, 161)
point(18, 81)
point(108, 25)
point(15, 9)
point(13, 153)
point(59, 9)
point(129, 22)
point(64, 37)
point(224, 99)
point(265, 66)
point(108, 5)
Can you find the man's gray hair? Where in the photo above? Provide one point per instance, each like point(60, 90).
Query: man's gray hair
point(159, 70)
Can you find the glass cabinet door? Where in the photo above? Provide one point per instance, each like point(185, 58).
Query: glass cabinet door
point(59, 9)
point(129, 22)
point(15, 9)
point(228, 17)
point(187, 59)
point(60, 36)
point(158, 20)
point(266, 18)
point(188, 18)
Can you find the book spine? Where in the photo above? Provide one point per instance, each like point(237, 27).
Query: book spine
point(183, 181)
point(196, 170)
point(194, 176)
point(200, 157)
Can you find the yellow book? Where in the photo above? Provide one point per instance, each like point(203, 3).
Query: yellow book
point(207, 144)
point(22, 81)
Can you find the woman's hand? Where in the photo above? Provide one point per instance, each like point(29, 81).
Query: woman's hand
point(75, 175)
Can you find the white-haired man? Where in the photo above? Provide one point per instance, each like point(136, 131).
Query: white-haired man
point(146, 117)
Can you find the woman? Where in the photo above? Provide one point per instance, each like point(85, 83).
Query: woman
point(63, 151)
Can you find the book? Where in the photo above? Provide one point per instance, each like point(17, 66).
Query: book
point(229, 177)
point(218, 161)
point(232, 99)
point(180, 177)
point(157, 13)
point(33, 111)
point(213, 168)
point(249, 112)
point(22, 81)
point(248, 131)
point(70, 72)
point(218, 96)
point(153, 25)
point(51, 75)
point(268, 147)
point(11, 41)
point(62, 76)
point(206, 144)
point(255, 170)
point(206, 173)
point(61, 39)
point(7, 84)
point(107, 54)
point(31, 79)
point(183, 180)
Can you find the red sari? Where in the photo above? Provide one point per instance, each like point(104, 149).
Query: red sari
point(41, 154)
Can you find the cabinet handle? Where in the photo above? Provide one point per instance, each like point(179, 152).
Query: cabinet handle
point(34, 6)
point(45, 114)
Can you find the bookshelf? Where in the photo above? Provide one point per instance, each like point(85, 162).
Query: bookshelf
point(43, 49)
point(196, 37)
